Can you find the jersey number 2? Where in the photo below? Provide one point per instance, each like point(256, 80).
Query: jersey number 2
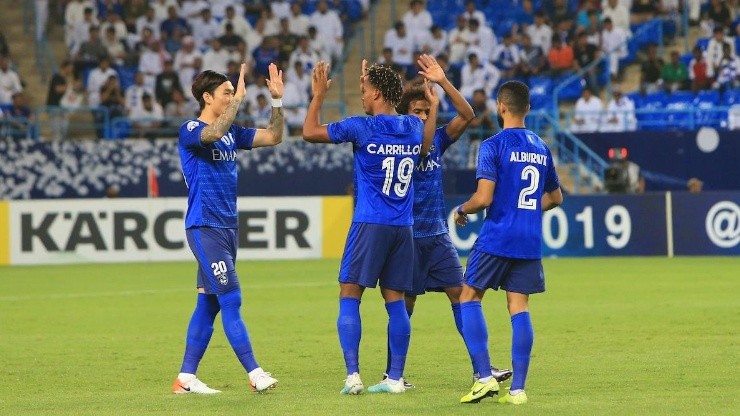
point(531, 174)
point(404, 173)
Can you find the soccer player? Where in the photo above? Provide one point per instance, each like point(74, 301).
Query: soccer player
point(380, 240)
point(436, 263)
point(208, 148)
point(516, 182)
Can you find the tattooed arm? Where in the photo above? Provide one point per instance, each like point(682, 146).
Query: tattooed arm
point(273, 134)
point(213, 132)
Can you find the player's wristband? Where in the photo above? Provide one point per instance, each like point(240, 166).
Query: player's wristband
point(277, 102)
point(459, 210)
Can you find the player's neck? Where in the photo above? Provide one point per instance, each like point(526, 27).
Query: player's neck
point(385, 109)
point(207, 116)
point(513, 123)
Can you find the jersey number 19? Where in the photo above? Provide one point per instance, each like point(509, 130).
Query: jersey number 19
point(403, 174)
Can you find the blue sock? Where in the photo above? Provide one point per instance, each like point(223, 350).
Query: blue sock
point(475, 334)
point(235, 330)
point(399, 335)
point(388, 356)
point(458, 318)
point(349, 327)
point(200, 330)
point(522, 338)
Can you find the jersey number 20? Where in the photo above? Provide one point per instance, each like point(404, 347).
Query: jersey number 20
point(531, 174)
point(403, 174)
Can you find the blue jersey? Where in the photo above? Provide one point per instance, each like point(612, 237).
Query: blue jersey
point(386, 149)
point(429, 200)
point(521, 165)
point(210, 174)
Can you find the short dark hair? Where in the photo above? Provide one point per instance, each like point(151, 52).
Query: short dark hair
point(412, 94)
point(387, 81)
point(515, 95)
point(206, 82)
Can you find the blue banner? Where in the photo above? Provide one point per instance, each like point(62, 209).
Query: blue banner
point(706, 223)
point(629, 225)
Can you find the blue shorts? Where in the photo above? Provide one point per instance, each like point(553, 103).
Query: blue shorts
point(215, 250)
point(436, 265)
point(377, 252)
point(486, 271)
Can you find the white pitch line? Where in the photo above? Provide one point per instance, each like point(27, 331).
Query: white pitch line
point(54, 296)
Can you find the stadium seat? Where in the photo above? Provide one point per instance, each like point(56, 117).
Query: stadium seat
point(686, 59)
point(679, 106)
point(636, 97)
point(731, 97)
point(572, 91)
point(702, 43)
point(540, 90)
point(126, 76)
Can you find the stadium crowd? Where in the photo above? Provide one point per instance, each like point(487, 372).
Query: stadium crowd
point(136, 58)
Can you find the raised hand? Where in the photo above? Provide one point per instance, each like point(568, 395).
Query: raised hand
point(430, 69)
point(275, 81)
point(430, 93)
point(320, 81)
point(364, 71)
point(241, 88)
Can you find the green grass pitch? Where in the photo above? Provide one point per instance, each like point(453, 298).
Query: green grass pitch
point(622, 336)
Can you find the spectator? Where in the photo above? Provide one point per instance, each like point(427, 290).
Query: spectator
point(433, 43)
point(259, 88)
point(185, 60)
point(620, 113)
point(583, 20)
point(162, 8)
point(218, 8)
point(147, 117)
point(619, 15)
point(112, 100)
point(21, 119)
point(585, 53)
point(481, 40)
point(701, 72)
point(262, 112)
point(230, 40)
point(387, 60)
point(166, 82)
point(532, 61)
point(135, 92)
point(241, 56)
point(298, 75)
point(459, 42)
point(476, 75)
point(149, 20)
point(540, 33)
point(217, 58)
point(114, 21)
point(558, 11)
point(715, 48)
point(506, 56)
point(402, 45)
point(4, 50)
point(232, 72)
point(728, 76)
point(90, 53)
point(173, 23)
point(650, 70)
point(297, 21)
point(74, 15)
point(116, 48)
point(83, 29)
point(239, 24)
point(523, 16)
point(329, 28)
point(720, 15)
point(108, 7)
point(151, 63)
point(305, 55)
point(97, 79)
point(614, 42)
point(10, 82)
point(674, 75)
point(482, 124)
point(560, 58)
point(272, 23)
point(417, 19)
point(266, 54)
point(587, 113)
point(60, 83)
point(133, 10)
point(472, 12)
point(287, 41)
point(295, 100)
point(318, 45)
point(180, 109)
point(191, 10)
point(280, 8)
point(205, 29)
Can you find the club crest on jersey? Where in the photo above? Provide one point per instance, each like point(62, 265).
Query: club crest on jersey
point(223, 278)
point(192, 124)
